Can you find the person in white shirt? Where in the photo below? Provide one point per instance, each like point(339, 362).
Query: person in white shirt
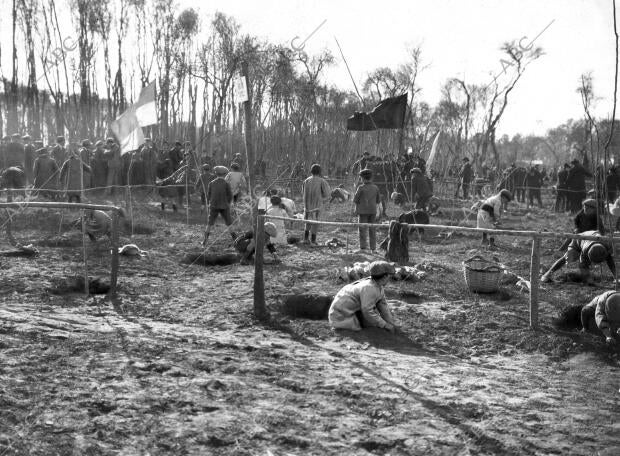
point(489, 214)
point(277, 209)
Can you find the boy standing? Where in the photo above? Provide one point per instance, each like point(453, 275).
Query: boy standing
point(219, 195)
point(316, 192)
point(366, 200)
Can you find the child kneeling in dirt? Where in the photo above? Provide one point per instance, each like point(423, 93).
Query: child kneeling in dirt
point(362, 303)
point(603, 314)
point(246, 245)
point(587, 253)
point(489, 214)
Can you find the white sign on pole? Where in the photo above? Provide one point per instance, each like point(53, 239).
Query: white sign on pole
point(241, 89)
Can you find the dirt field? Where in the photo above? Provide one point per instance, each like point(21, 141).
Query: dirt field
point(178, 365)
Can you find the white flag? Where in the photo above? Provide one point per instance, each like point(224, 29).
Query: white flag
point(128, 131)
point(146, 110)
point(241, 89)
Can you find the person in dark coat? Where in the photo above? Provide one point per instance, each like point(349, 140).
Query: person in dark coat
point(14, 179)
point(219, 196)
point(534, 181)
point(72, 176)
point(29, 156)
point(14, 152)
point(466, 174)
point(99, 166)
point(59, 153)
point(561, 198)
point(587, 219)
point(45, 171)
point(576, 185)
point(519, 175)
point(176, 155)
point(421, 190)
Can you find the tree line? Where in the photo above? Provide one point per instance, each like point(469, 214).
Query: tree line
point(74, 81)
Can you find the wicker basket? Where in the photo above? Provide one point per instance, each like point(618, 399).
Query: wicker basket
point(482, 276)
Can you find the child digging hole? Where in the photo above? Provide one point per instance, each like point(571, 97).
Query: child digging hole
point(245, 244)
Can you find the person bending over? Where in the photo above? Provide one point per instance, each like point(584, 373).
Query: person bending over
point(489, 214)
point(362, 303)
point(586, 253)
point(602, 314)
point(246, 245)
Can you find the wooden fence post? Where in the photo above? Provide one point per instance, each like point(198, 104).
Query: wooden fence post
point(114, 242)
point(86, 284)
point(260, 310)
point(534, 282)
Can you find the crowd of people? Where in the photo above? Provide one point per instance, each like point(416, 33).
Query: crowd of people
point(71, 168)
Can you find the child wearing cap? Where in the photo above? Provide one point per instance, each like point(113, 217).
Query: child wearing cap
point(362, 303)
point(219, 195)
point(366, 199)
point(602, 314)
point(489, 214)
point(246, 245)
point(587, 253)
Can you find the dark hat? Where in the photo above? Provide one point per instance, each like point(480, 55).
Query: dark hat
point(60, 139)
point(415, 170)
point(366, 153)
point(612, 307)
point(506, 194)
point(235, 166)
point(465, 159)
point(178, 143)
point(378, 268)
point(597, 253)
point(366, 172)
point(574, 161)
point(86, 143)
point(42, 151)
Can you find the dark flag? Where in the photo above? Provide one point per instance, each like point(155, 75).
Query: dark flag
point(389, 113)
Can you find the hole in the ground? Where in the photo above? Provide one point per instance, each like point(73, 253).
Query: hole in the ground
point(311, 306)
point(75, 284)
point(210, 259)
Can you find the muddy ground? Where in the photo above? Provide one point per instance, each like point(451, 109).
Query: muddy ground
point(178, 365)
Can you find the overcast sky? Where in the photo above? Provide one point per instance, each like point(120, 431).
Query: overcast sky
point(458, 38)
